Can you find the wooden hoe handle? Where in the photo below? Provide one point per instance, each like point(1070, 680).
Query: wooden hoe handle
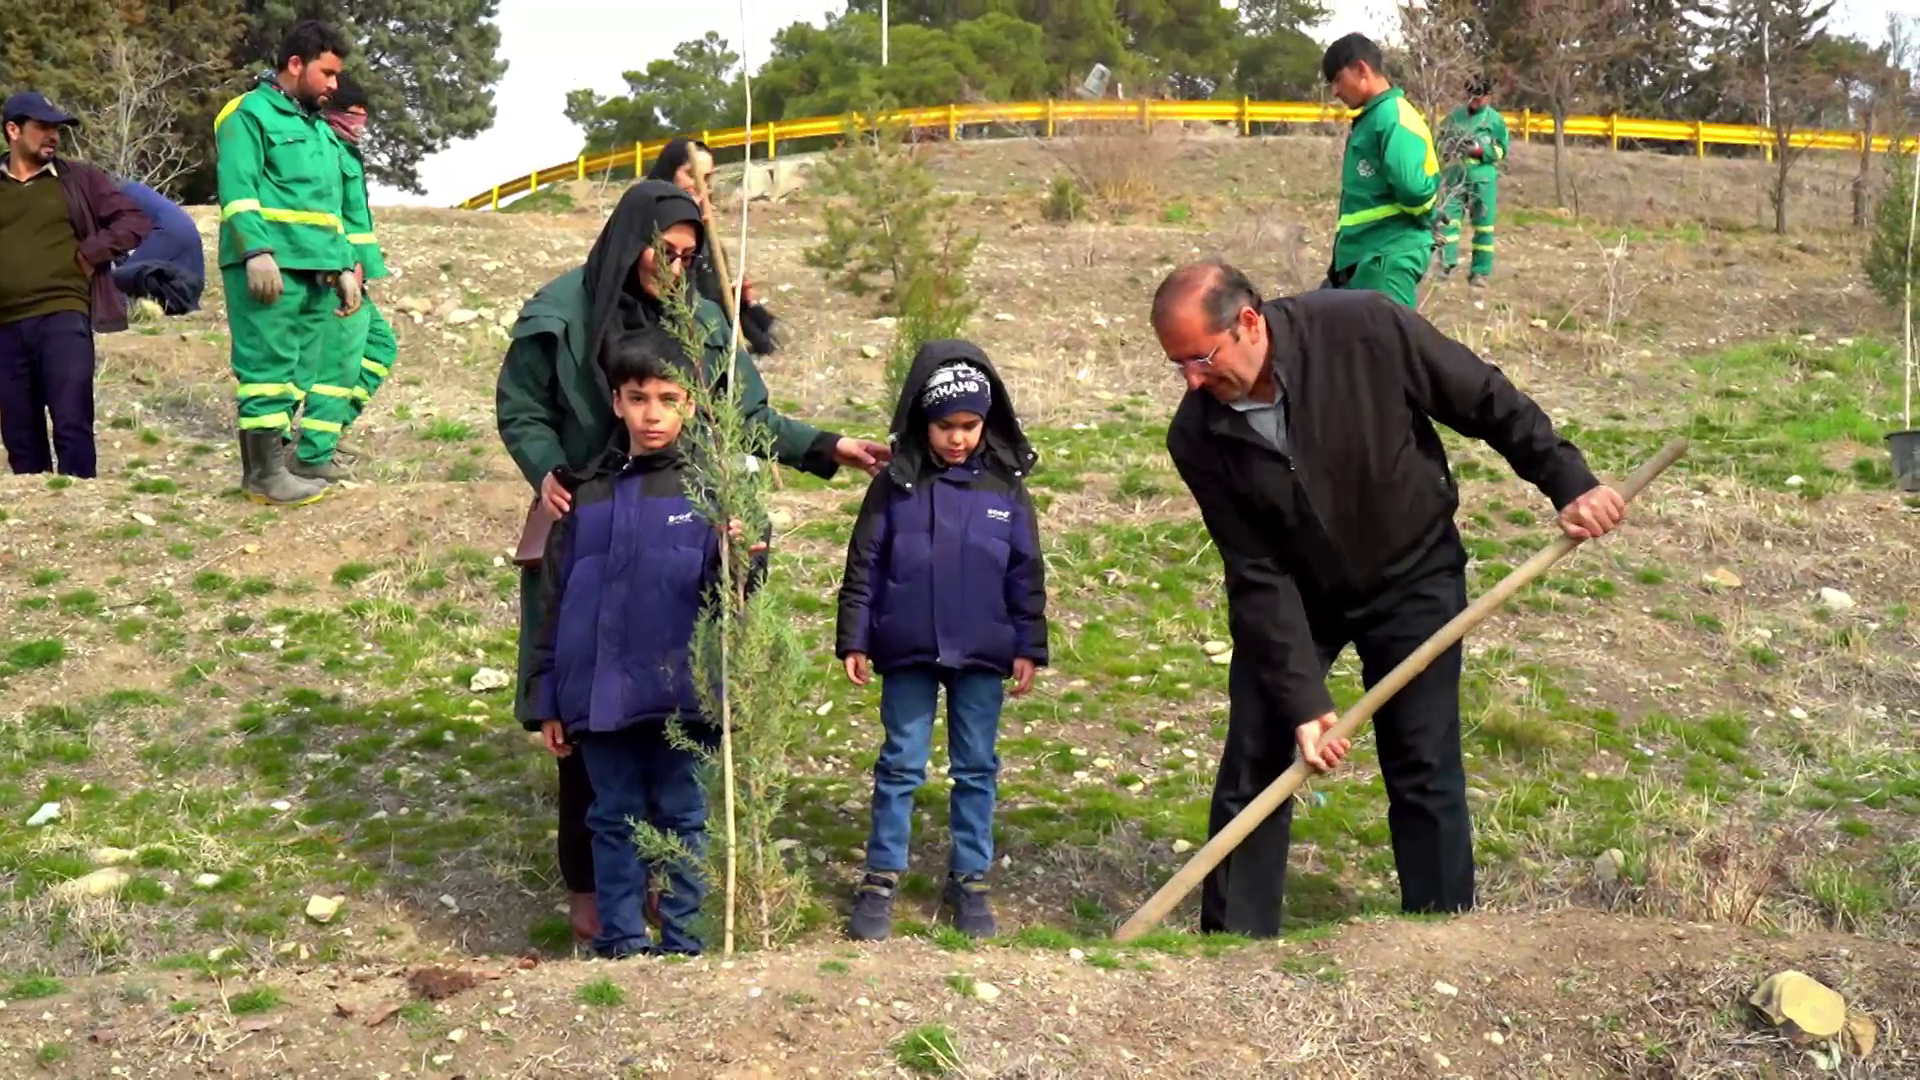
point(1222, 844)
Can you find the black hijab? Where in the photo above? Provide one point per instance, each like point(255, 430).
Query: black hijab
point(619, 306)
point(672, 156)
point(757, 325)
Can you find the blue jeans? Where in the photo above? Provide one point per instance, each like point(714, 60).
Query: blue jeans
point(639, 776)
point(908, 699)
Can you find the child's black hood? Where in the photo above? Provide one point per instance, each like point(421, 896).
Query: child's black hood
point(1002, 441)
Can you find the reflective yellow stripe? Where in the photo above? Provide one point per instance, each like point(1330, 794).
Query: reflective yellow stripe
point(362, 394)
point(248, 389)
point(1380, 213)
point(329, 426)
point(1483, 247)
point(225, 111)
point(360, 238)
point(302, 217)
point(331, 391)
point(238, 207)
point(378, 369)
point(275, 420)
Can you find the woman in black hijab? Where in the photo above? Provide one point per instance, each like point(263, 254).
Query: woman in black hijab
point(680, 161)
point(555, 416)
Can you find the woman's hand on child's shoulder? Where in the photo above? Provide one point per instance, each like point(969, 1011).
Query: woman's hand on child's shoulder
point(857, 671)
point(1023, 671)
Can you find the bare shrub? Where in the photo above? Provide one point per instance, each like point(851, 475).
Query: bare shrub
point(1116, 163)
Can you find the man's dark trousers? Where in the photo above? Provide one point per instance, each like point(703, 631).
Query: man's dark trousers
point(46, 371)
point(1417, 734)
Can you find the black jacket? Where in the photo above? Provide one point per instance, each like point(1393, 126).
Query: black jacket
point(1364, 491)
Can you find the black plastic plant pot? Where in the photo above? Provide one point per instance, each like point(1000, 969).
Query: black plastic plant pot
point(1906, 459)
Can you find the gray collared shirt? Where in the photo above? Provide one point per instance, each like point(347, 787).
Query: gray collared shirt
point(1269, 419)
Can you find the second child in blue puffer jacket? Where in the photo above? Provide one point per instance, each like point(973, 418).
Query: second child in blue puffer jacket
point(944, 587)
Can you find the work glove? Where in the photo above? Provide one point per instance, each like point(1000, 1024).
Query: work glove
point(349, 287)
point(263, 279)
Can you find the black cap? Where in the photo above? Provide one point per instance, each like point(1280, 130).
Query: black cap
point(33, 106)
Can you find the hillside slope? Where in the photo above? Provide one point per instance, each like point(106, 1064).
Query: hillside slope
point(254, 707)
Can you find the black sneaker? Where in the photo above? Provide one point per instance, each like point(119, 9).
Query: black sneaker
point(967, 897)
point(873, 908)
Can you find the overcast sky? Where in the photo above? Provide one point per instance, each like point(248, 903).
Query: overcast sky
point(553, 46)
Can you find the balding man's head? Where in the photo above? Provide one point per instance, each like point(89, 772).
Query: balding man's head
point(1217, 289)
point(1207, 317)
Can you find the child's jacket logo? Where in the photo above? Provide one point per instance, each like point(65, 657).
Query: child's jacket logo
point(680, 519)
point(1000, 515)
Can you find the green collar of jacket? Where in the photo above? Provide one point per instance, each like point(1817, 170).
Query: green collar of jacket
point(1389, 94)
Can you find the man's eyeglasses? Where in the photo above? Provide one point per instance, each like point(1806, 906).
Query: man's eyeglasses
point(1195, 361)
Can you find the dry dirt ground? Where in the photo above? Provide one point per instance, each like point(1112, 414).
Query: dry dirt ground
point(245, 708)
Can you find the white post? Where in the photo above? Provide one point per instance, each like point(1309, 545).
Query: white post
point(883, 33)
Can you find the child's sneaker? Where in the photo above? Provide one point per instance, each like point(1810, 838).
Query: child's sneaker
point(873, 908)
point(966, 895)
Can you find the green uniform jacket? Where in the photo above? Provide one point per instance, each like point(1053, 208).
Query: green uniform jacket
point(1387, 183)
point(1464, 129)
point(357, 215)
point(281, 185)
point(553, 407)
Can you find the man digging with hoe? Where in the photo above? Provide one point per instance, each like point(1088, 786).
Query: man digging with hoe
point(1307, 439)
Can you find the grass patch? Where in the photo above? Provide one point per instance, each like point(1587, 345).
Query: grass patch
point(254, 1002)
point(928, 1050)
point(601, 993)
point(35, 987)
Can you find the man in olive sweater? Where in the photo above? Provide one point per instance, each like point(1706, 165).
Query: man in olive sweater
point(62, 225)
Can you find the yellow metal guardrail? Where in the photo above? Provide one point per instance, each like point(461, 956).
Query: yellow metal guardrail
point(1147, 112)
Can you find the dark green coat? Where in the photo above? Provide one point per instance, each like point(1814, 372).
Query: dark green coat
point(554, 410)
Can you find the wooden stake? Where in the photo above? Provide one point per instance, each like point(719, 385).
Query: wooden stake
point(1222, 844)
point(726, 278)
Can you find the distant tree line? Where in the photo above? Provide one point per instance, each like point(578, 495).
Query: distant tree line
point(148, 76)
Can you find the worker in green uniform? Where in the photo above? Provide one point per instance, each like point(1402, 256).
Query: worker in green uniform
point(1388, 180)
point(361, 351)
point(1473, 142)
point(284, 258)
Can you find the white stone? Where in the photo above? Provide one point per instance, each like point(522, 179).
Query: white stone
point(487, 679)
point(1834, 600)
point(985, 991)
point(1796, 480)
point(322, 909)
point(1181, 847)
point(103, 882)
point(46, 813)
point(206, 881)
point(461, 316)
point(110, 856)
point(1446, 989)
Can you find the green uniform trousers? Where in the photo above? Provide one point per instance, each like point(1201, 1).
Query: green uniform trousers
point(273, 346)
point(358, 355)
point(376, 361)
point(1396, 273)
point(1472, 200)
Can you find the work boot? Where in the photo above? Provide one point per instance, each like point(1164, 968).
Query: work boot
point(966, 896)
point(873, 908)
point(264, 475)
point(331, 471)
point(1477, 281)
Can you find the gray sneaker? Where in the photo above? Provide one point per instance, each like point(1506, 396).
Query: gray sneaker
point(873, 908)
point(966, 896)
point(1477, 281)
